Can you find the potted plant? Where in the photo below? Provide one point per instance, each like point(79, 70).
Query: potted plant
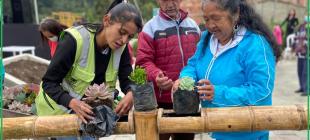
point(185, 99)
point(101, 99)
point(143, 91)
point(19, 100)
point(96, 95)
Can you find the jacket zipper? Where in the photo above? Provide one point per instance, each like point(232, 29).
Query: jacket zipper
point(180, 46)
point(210, 67)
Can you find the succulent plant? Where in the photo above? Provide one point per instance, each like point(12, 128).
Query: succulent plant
point(187, 83)
point(19, 107)
point(31, 88)
point(138, 76)
point(8, 95)
point(20, 97)
point(30, 99)
point(99, 95)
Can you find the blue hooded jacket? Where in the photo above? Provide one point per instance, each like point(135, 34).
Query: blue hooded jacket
point(242, 76)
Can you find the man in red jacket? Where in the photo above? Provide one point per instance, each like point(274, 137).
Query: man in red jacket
point(167, 41)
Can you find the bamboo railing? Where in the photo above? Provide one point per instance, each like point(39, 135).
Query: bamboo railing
point(150, 124)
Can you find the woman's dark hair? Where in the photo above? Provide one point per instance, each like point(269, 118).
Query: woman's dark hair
point(123, 12)
point(120, 12)
point(289, 13)
point(249, 19)
point(51, 26)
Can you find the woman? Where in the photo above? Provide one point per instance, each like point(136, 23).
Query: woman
point(234, 63)
point(86, 56)
point(291, 22)
point(50, 31)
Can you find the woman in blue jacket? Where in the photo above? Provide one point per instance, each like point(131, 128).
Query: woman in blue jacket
point(234, 63)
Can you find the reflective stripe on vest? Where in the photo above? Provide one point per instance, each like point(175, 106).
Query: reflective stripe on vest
point(82, 61)
point(112, 70)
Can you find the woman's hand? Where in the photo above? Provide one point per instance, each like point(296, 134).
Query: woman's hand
point(82, 110)
point(175, 87)
point(125, 104)
point(205, 90)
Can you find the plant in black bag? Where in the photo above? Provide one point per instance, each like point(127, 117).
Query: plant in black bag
point(100, 98)
point(185, 99)
point(143, 92)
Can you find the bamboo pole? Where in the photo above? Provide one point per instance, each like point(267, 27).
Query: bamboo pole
point(238, 119)
point(47, 126)
point(146, 125)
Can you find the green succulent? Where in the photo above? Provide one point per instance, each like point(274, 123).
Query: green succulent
point(187, 83)
point(138, 76)
point(20, 97)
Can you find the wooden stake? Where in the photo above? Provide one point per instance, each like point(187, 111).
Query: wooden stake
point(146, 125)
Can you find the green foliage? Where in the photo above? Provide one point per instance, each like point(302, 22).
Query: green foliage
point(30, 99)
point(146, 7)
point(138, 76)
point(187, 83)
point(91, 10)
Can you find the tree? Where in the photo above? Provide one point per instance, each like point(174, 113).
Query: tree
point(91, 10)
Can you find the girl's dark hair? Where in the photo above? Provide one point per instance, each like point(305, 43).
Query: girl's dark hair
point(123, 12)
point(249, 19)
point(51, 26)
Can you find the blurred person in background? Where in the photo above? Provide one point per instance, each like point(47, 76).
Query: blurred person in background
point(50, 31)
point(300, 48)
point(277, 33)
point(291, 22)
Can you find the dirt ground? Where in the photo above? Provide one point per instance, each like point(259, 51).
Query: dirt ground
point(27, 70)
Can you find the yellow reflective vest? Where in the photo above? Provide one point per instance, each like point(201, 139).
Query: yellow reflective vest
point(81, 74)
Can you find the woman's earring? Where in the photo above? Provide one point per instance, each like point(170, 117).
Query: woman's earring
point(236, 28)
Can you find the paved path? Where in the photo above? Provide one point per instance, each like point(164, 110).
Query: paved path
point(285, 85)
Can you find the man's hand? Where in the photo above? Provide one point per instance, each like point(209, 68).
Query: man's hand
point(82, 110)
point(125, 104)
point(163, 82)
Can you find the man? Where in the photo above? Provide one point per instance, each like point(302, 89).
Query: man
point(167, 41)
point(301, 51)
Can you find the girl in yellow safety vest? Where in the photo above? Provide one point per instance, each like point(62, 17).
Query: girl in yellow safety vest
point(86, 57)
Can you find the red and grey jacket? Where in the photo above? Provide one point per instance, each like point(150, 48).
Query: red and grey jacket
point(166, 45)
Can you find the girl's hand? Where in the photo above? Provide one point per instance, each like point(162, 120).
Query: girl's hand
point(82, 110)
point(125, 104)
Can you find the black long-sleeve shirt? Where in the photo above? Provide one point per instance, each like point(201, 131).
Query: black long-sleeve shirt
point(291, 25)
point(63, 61)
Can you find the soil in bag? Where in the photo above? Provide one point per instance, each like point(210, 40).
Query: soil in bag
point(144, 97)
point(185, 102)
